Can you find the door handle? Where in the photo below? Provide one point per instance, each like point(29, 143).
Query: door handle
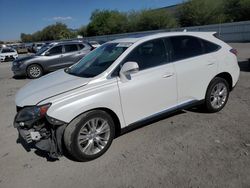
point(167, 75)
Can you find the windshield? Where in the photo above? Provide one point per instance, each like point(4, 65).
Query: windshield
point(98, 60)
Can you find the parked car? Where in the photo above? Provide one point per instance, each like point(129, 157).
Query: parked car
point(21, 49)
point(29, 47)
point(36, 47)
point(52, 57)
point(94, 44)
point(45, 45)
point(8, 54)
point(123, 84)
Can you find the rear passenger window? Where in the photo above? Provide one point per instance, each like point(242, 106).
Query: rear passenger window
point(185, 47)
point(70, 48)
point(149, 54)
point(209, 46)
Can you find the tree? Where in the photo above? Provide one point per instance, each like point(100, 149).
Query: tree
point(237, 10)
point(26, 37)
point(201, 12)
point(104, 22)
point(56, 31)
point(154, 19)
point(82, 31)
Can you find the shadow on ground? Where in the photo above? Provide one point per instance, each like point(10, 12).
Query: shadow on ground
point(245, 65)
point(19, 77)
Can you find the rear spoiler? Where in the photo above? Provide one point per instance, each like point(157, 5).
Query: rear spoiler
point(214, 33)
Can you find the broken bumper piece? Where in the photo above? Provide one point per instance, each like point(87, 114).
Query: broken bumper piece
point(39, 133)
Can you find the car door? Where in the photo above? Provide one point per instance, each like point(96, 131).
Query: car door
point(152, 90)
point(69, 57)
point(84, 49)
point(52, 58)
point(194, 67)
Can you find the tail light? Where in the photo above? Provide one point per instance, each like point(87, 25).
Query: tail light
point(234, 51)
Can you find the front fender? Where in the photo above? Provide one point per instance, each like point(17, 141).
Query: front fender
point(67, 106)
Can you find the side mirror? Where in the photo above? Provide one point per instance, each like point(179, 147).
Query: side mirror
point(127, 69)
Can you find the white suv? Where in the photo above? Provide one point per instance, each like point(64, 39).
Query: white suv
point(123, 84)
point(8, 54)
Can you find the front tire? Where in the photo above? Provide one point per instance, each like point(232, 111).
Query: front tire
point(90, 135)
point(34, 71)
point(217, 95)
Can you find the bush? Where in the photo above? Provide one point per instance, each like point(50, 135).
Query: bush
point(103, 22)
point(201, 12)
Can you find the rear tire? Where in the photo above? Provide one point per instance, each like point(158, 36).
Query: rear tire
point(34, 71)
point(90, 135)
point(217, 95)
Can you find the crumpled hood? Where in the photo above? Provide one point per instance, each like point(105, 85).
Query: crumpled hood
point(47, 86)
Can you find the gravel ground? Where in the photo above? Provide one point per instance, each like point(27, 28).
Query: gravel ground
point(189, 149)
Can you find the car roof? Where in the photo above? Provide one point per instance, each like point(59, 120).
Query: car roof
point(68, 42)
point(162, 34)
point(7, 48)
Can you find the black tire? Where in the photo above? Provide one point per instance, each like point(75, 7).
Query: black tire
point(72, 132)
point(209, 107)
point(34, 71)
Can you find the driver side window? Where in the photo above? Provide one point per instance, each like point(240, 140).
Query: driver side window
point(55, 50)
point(149, 54)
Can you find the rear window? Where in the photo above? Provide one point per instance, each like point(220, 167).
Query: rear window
point(209, 46)
point(70, 48)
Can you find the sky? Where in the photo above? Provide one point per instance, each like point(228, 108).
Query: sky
point(29, 16)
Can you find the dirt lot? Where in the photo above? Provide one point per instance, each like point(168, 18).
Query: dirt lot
point(189, 149)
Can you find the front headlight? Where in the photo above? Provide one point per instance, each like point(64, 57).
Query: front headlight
point(30, 115)
point(15, 63)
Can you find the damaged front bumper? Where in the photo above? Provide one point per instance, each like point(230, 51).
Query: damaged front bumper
point(38, 132)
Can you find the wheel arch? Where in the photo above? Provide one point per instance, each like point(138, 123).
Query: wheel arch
point(227, 76)
point(34, 64)
point(113, 115)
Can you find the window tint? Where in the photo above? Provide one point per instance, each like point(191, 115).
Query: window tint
point(70, 48)
point(98, 60)
point(55, 50)
point(6, 50)
point(148, 54)
point(185, 47)
point(209, 46)
point(81, 46)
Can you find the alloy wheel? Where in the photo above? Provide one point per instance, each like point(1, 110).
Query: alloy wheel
point(218, 95)
point(94, 136)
